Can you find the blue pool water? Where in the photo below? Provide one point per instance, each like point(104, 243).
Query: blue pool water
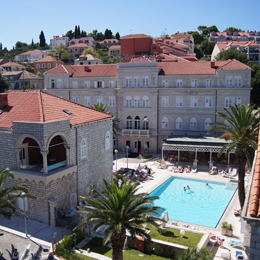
point(201, 205)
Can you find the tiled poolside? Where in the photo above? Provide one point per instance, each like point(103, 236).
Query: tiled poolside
point(161, 175)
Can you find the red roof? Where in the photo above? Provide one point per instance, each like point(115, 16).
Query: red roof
point(99, 70)
point(79, 45)
point(140, 35)
point(32, 52)
point(37, 106)
point(47, 59)
point(200, 67)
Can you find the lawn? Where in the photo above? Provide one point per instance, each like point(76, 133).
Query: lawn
point(172, 235)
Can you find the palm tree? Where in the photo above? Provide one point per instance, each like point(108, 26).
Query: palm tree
point(195, 254)
point(103, 108)
point(241, 132)
point(120, 208)
point(8, 196)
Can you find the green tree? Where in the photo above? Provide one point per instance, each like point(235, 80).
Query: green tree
point(121, 208)
point(42, 40)
point(198, 38)
point(118, 36)
point(108, 34)
point(255, 84)
point(240, 127)
point(8, 196)
point(61, 50)
point(232, 54)
point(233, 29)
point(195, 254)
point(4, 85)
point(70, 34)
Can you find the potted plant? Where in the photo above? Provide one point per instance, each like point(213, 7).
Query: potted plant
point(230, 230)
point(224, 228)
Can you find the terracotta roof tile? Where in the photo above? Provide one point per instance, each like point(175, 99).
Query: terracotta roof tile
point(47, 59)
point(37, 106)
point(109, 70)
point(140, 35)
point(79, 45)
point(32, 52)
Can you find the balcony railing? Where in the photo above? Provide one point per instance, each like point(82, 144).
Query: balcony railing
point(136, 132)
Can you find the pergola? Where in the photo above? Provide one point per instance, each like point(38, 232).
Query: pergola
point(194, 144)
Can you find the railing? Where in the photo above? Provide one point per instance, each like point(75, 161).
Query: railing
point(136, 132)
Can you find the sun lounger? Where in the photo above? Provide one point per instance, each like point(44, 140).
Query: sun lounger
point(211, 244)
point(236, 244)
point(239, 255)
point(225, 254)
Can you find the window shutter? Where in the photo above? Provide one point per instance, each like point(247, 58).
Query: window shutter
point(95, 86)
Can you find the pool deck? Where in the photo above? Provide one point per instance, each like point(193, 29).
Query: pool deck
point(161, 175)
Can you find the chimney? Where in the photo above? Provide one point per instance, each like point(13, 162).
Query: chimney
point(212, 64)
point(3, 100)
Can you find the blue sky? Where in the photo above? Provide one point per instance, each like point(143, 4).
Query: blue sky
point(23, 20)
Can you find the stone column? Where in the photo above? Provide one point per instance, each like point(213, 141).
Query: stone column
point(53, 204)
point(44, 153)
point(17, 154)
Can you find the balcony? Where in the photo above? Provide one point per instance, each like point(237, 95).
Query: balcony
point(136, 132)
point(32, 174)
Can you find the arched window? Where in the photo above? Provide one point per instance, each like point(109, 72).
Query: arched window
point(165, 123)
point(83, 149)
point(128, 101)
point(137, 101)
point(207, 124)
point(146, 123)
point(129, 122)
point(137, 122)
point(107, 141)
point(145, 101)
point(179, 124)
point(193, 124)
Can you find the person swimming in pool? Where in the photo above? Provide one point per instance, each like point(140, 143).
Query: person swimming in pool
point(207, 184)
point(188, 187)
point(184, 188)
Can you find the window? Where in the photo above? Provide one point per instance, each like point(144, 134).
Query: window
point(165, 123)
point(114, 142)
point(112, 101)
point(87, 101)
point(209, 83)
point(137, 122)
point(237, 100)
point(179, 83)
point(145, 101)
point(165, 101)
point(75, 99)
point(99, 84)
point(99, 100)
point(59, 83)
point(74, 84)
point(238, 81)
point(128, 101)
point(193, 124)
point(193, 101)
point(48, 65)
point(43, 66)
point(107, 140)
point(229, 81)
point(129, 122)
point(207, 123)
point(83, 149)
point(179, 101)
point(136, 82)
point(128, 82)
point(86, 84)
point(52, 83)
point(137, 101)
point(194, 83)
point(145, 123)
point(37, 66)
point(179, 123)
point(145, 81)
point(165, 83)
point(208, 101)
point(111, 83)
point(228, 101)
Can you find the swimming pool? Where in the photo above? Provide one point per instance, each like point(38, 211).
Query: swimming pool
point(200, 205)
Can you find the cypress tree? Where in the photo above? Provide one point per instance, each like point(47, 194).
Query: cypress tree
point(42, 40)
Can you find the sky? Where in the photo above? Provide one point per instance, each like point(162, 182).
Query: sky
point(23, 20)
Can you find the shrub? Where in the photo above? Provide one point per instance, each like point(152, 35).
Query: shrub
point(96, 241)
point(67, 241)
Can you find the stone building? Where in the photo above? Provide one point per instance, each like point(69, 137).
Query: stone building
point(61, 150)
point(155, 100)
